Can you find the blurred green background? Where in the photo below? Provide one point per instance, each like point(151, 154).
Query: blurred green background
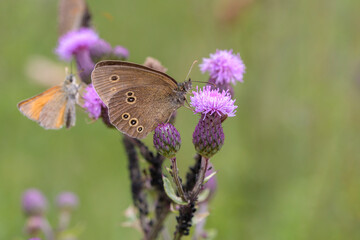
point(290, 166)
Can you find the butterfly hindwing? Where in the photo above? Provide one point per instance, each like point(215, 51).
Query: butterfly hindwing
point(53, 114)
point(137, 111)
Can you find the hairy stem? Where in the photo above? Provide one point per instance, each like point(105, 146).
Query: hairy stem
point(162, 203)
point(186, 213)
point(137, 185)
point(200, 180)
point(177, 179)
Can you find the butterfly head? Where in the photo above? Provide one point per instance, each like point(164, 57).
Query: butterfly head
point(181, 92)
point(70, 86)
point(185, 86)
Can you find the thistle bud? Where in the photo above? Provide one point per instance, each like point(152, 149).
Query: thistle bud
point(208, 136)
point(167, 140)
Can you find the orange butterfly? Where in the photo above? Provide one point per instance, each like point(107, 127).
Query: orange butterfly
point(55, 107)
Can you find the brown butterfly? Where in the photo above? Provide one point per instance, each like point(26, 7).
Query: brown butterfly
point(54, 107)
point(73, 14)
point(138, 97)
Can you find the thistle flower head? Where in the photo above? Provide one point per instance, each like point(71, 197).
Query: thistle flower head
point(211, 101)
point(100, 48)
point(67, 201)
point(92, 102)
point(167, 140)
point(208, 137)
point(33, 202)
point(224, 67)
point(74, 41)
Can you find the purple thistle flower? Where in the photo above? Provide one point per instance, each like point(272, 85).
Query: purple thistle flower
point(92, 102)
point(167, 140)
point(99, 49)
point(33, 202)
point(120, 52)
point(208, 137)
point(67, 201)
point(78, 44)
point(224, 67)
point(208, 101)
point(75, 41)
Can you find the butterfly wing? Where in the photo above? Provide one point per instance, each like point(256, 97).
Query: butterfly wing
point(137, 111)
point(73, 14)
point(109, 77)
point(47, 108)
point(44, 71)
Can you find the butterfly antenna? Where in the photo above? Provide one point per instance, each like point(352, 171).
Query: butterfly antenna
point(205, 83)
point(189, 106)
point(192, 65)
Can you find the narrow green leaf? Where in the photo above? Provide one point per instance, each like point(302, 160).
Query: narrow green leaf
point(203, 195)
point(171, 192)
point(210, 176)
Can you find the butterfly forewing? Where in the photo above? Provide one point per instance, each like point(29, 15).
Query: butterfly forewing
point(32, 107)
point(110, 77)
point(137, 111)
point(54, 107)
point(73, 14)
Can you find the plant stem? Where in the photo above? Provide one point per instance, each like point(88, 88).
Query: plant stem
point(162, 207)
point(200, 180)
point(186, 213)
point(137, 185)
point(177, 179)
point(47, 230)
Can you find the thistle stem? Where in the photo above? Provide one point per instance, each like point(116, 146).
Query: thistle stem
point(47, 230)
point(137, 185)
point(85, 65)
point(200, 180)
point(177, 179)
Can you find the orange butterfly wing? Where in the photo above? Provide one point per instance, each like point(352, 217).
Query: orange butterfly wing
point(47, 108)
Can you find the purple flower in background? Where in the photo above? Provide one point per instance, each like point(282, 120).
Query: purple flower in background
point(34, 225)
point(121, 52)
point(76, 41)
point(92, 102)
point(67, 201)
point(212, 183)
point(224, 67)
point(100, 48)
point(208, 101)
point(78, 44)
point(33, 202)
